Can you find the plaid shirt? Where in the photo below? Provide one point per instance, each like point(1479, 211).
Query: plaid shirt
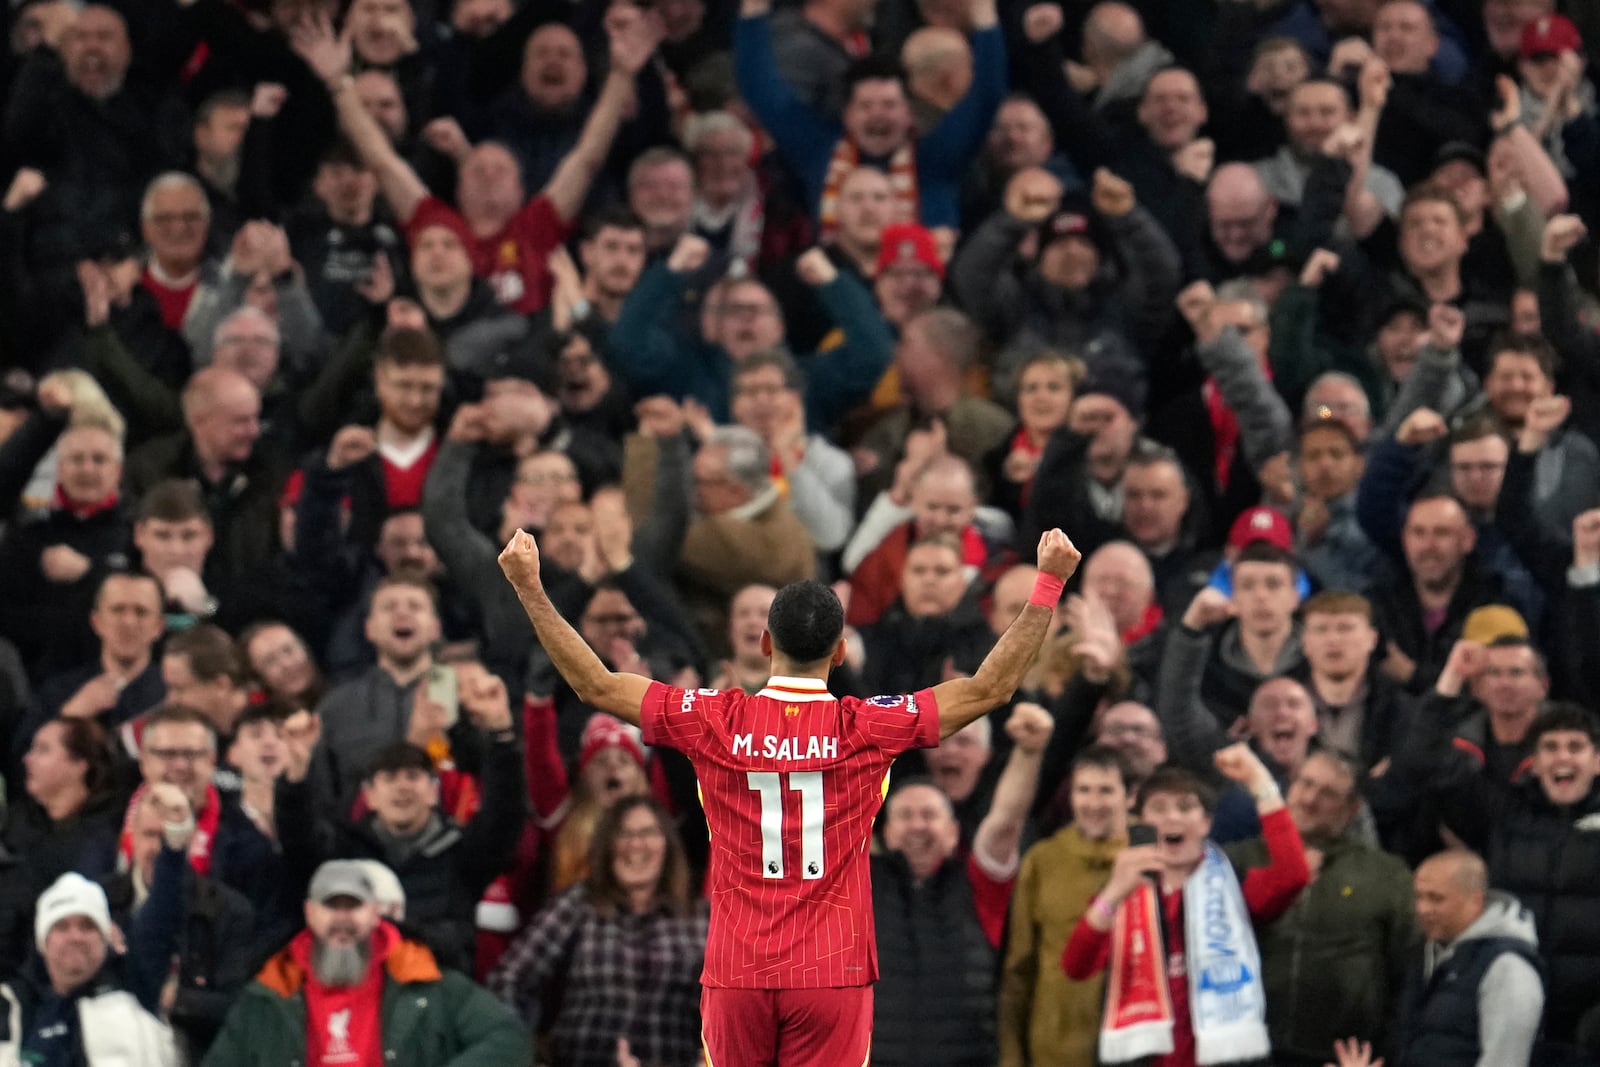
point(632, 976)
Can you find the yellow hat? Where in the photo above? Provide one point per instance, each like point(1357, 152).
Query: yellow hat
point(1493, 621)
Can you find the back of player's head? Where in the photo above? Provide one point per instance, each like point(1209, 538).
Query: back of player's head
point(805, 621)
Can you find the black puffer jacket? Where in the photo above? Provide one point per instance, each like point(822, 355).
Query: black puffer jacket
point(935, 1000)
point(1547, 856)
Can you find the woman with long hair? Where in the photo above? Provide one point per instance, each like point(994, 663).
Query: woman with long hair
point(622, 950)
point(67, 820)
point(283, 665)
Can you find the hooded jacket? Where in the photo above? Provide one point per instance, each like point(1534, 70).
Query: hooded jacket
point(1112, 324)
point(1476, 1001)
point(427, 1016)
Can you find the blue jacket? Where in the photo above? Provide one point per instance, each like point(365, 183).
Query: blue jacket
point(807, 139)
point(654, 356)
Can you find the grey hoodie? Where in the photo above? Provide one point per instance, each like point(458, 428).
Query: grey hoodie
point(1511, 995)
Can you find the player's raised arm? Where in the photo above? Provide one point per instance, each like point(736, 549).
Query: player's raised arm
point(596, 685)
point(961, 700)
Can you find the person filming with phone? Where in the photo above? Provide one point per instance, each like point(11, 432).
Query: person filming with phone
point(406, 696)
point(1175, 920)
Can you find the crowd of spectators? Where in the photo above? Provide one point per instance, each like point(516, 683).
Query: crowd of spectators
point(1284, 310)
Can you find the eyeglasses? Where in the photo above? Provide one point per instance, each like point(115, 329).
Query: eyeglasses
point(179, 755)
point(745, 311)
point(649, 833)
point(1128, 730)
point(552, 478)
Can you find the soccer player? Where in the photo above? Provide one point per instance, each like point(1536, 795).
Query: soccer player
point(791, 778)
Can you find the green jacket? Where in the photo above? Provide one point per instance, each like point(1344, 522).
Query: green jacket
point(1334, 963)
point(430, 1018)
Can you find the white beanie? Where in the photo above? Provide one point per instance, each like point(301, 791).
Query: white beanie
point(72, 894)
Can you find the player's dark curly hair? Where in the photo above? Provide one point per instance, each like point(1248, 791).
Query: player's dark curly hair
point(805, 621)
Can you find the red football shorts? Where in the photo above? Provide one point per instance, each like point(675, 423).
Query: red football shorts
point(786, 1027)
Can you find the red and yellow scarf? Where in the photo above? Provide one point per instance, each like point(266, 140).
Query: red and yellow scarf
point(902, 179)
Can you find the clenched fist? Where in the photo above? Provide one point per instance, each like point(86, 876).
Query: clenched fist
point(1058, 555)
point(1030, 727)
point(519, 560)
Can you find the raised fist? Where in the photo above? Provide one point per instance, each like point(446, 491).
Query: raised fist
point(815, 268)
point(1209, 607)
point(1030, 727)
point(1319, 264)
point(1561, 233)
point(1058, 555)
point(1423, 426)
point(1112, 196)
point(1446, 325)
point(689, 254)
point(350, 446)
point(1032, 194)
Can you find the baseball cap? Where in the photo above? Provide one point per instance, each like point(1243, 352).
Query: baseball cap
point(71, 894)
point(1460, 151)
point(342, 878)
point(1074, 218)
point(1484, 625)
point(1550, 34)
point(1261, 523)
point(906, 242)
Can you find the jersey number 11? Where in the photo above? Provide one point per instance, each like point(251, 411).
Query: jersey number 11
point(809, 785)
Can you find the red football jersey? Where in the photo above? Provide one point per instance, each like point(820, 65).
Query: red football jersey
point(790, 779)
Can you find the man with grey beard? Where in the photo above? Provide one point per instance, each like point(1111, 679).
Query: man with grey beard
point(349, 987)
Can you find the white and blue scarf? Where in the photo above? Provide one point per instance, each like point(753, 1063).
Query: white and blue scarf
point(1227, 1005)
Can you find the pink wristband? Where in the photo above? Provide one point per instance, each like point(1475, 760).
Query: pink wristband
point(1100, 908)
point(1046, 591)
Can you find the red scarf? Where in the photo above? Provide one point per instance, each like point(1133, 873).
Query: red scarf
point(1224, 428)
point(902, 171)
point(974, 552)
point(1224, 432)
point(1138, 1008)
point(1024, 444)
point(205, 831)
point(1147, 623)
point(344, 1026)
point(61, 502)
